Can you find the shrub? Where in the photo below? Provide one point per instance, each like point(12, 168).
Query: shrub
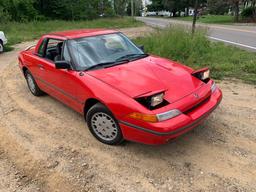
point(4, 15)
point(249, 12)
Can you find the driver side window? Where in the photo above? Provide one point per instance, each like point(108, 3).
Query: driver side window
point(54, 49)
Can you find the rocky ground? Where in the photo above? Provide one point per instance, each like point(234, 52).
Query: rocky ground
point(45, 146)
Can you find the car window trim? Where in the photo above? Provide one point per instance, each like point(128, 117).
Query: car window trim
point(50, 61)
point(45, 42)
point(73, 64)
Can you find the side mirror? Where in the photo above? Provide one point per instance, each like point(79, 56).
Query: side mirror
point(142, 47)
point(62, 65)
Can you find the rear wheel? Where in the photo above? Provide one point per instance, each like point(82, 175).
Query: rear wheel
point(1, 47)
point(103, 125)
point(33, 87)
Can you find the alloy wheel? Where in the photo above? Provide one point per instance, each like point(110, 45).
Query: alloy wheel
point(31, 83)
point(104, 126)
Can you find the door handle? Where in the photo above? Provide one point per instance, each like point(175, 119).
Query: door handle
point(41, 67)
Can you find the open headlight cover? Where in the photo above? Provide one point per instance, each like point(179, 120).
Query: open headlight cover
point(157, 99)
point(202, 74)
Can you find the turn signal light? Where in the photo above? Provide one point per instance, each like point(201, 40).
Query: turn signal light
point(144, 117)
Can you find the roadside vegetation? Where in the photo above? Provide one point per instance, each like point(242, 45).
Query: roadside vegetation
point(25, 20)
point(228, 11)
point(20, 32)
point(197, 51)
point(211, 19)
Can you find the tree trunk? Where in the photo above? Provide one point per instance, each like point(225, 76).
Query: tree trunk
point(187, 11)
point(132, 8)
point(174, 12)
point(254, 10)
point(236, 11)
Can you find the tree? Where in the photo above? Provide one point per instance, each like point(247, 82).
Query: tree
point(18, 10)
point(175, 6)
point(27, 10)
point(157, 5)
point(120, 7)
point(137, 7)
point(218, 7)
point(236, 4)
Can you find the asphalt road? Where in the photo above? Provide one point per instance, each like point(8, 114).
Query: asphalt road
point(240, 36)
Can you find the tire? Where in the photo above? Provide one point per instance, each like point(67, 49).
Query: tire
point(1, 47)
point(103, 125)
point(32, 85)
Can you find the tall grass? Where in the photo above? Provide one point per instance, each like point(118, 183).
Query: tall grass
point(19, 32)
point(197, 51)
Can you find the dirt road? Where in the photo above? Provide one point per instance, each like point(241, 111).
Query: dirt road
point(45, 146)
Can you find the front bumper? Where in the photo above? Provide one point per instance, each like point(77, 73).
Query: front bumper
point(162, 132)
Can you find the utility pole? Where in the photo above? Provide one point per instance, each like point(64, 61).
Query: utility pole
point(132, 8)
point(195, 16)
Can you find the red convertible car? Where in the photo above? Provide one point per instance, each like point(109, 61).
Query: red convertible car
point(123, 93)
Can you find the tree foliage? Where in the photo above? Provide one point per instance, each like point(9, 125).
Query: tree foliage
point(156, 5)
point(17, 10)
point(218, 7)
point(26, 10)
point(174, 6)
point(137, 6)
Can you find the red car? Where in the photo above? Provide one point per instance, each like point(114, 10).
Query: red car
point(123, 93)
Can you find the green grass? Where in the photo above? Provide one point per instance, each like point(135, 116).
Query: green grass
point(20, 32)
point(211, 19)
point(198, 52)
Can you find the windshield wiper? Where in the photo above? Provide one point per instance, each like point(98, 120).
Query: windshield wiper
point(99, 65)
point(107, 64)
point(133, 56)
point(118, 63)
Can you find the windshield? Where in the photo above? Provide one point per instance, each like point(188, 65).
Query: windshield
point(91, 51)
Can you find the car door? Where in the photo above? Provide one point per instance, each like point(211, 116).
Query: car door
point(34, 63)
point(60, 83)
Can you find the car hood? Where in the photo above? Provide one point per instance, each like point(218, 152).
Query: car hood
point(149, 76)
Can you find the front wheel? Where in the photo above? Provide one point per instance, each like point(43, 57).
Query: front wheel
point(103, 125)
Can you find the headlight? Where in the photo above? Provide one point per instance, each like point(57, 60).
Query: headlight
point(153, 101)
point(213, 87)
point(157, 99)
point(203, 74)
